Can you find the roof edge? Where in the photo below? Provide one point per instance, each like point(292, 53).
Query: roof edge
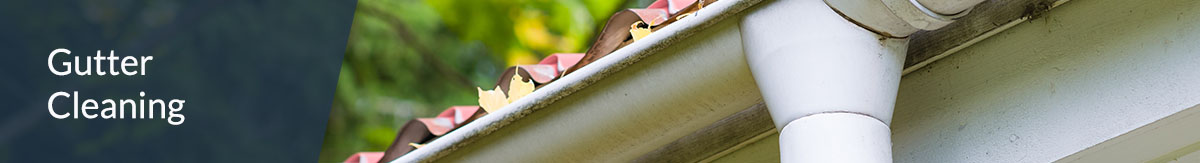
point(584, 77)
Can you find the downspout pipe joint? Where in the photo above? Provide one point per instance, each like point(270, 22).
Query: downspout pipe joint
point(830, 85)
point(807, 59)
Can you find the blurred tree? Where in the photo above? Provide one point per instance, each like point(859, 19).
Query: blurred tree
point(414, 58)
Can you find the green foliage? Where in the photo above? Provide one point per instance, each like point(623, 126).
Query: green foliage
point(414, 58)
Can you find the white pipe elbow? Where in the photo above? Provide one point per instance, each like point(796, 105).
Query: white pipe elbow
point(806, 59)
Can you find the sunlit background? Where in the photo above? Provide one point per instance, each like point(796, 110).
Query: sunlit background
point(414, 58)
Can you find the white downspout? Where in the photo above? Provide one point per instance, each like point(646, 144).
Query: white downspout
point(830, 84)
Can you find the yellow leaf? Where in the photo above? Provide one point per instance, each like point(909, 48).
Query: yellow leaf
point(639, 30)
point(518, 88)
point(491, 100)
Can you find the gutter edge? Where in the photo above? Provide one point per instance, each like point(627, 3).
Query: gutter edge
point(578, 80)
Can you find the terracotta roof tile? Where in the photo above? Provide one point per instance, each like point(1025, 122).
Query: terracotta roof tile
point(451, 118)
point(362, 157)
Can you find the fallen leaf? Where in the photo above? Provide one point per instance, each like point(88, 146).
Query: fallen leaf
point(518, 88)
point(491, 100)
point(639, 30)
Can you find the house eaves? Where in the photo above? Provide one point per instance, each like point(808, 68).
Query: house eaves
point(619, 104)
point(656, 99)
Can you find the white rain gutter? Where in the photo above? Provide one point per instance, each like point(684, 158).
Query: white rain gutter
point(829, 83)
point(829, 71)
point(675, 81)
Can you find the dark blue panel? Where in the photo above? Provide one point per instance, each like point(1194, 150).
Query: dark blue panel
point(258, 78)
